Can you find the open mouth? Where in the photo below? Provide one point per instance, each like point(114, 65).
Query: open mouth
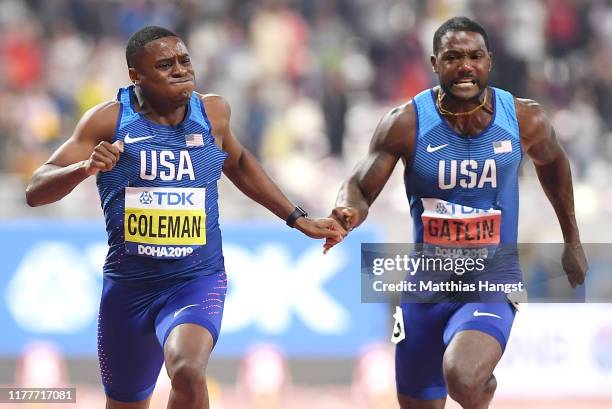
point(465, 82)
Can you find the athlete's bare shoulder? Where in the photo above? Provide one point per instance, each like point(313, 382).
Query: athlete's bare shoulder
point(218, 112)
point(403, 115)
point(215, 105)
point(529, 113)
point(98, 123)
point(527, 108)
point(395, 133)
point(533, 122)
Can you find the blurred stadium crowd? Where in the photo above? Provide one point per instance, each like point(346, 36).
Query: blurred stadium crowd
point(307, 80)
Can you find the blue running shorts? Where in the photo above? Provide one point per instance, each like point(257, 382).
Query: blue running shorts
point(429, 329)
point(135, 321)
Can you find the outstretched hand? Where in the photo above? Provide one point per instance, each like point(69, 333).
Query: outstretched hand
point(574, 263)
point(348, 218)
point(324, 228)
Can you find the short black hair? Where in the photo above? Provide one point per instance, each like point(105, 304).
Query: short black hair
point(142, 37)
point(458, 24)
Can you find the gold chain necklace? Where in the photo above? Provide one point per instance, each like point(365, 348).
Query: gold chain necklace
point(446, 112)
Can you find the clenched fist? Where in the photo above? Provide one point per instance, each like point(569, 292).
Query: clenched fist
point(104, 157)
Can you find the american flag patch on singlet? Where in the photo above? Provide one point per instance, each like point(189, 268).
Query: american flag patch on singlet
point(194, 139)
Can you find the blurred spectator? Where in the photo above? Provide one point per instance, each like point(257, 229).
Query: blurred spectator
point(335, 107)
point(257, 119)
point(303, 76)
point(21, 54)
point(279, 38)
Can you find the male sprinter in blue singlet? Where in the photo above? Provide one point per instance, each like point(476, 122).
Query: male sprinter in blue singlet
point(461, 144)
point(158, 152)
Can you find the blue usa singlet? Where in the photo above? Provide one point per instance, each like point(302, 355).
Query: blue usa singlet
point(160, 200)
point(463, 191)
point(463, 194)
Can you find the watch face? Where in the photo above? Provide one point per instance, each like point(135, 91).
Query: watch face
point(301, 211)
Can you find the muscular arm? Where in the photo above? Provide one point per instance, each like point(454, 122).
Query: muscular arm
point(241, 167)
point(246, 173)
point(551, 163)
point(85, 153)
point(393, 139)
point(552, 166)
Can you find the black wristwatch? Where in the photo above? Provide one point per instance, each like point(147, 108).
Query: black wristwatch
point(296, 214)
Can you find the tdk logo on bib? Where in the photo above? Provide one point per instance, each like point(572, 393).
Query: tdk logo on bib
point(456, 209)
point(145, 198)
point(167, 198)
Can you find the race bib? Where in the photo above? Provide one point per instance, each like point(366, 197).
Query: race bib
point(467, 231)
point(164, 222)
